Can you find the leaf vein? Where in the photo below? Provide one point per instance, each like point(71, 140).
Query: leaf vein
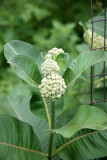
point(63, 146)
point(12, 48)
point(26, 149)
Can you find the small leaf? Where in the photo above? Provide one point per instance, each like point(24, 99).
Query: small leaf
point(62, 61)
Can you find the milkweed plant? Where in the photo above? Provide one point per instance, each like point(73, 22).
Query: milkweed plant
point(33, 122)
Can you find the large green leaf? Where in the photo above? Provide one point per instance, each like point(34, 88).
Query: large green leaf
point(18, 106)
point(19, 90)
point(18, 141)
point(16, 47)
point(102, 106)
point(86, 117)
point(85, 145)
point(81, 63)
point(26, 69)
point(39, 109)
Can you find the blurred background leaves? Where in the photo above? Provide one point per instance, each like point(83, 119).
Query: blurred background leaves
point(45, 24)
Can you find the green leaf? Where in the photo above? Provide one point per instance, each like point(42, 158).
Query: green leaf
point(20, 90)
point(81, 63)
point(98, 95)
point(86, 117)
point(18, 140)
point(62, 61)
point(85, 145)
point(98, 27)
point(38, 106)
point(26, 69)
point(18, 106)
point(102, 106)
point(16, 47)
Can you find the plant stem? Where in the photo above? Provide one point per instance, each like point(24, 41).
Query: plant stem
point(52, 127)
point(47, 112)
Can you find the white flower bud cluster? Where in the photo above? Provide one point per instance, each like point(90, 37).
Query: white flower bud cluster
point(48, 56)
point(54, 52)
point(98, 41)
point(52, 87)
point(49, 66)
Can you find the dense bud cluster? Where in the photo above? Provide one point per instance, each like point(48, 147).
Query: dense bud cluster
point(55, 51)
point(98, 41)
point(48, 56)
point(49, 66)
point(52, 86)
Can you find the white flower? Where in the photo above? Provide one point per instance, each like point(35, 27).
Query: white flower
point(61, 50)
point(53, 92)
point(59, 96)
point(52, 85)
point(54, 52)
point(49, 67)
point(54, 89)
point(48, 56)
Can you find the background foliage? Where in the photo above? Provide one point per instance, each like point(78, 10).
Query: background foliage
point(44, 24)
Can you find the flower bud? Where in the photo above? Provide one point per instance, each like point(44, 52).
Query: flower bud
point(48, 56)
point(55, 51)
point(98, 41)
point(49, 67)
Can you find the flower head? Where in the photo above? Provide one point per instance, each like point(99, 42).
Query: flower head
point(52, 86)
point(55, 51)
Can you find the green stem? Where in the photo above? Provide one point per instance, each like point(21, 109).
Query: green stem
point(52, 127)
point(47, 112)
